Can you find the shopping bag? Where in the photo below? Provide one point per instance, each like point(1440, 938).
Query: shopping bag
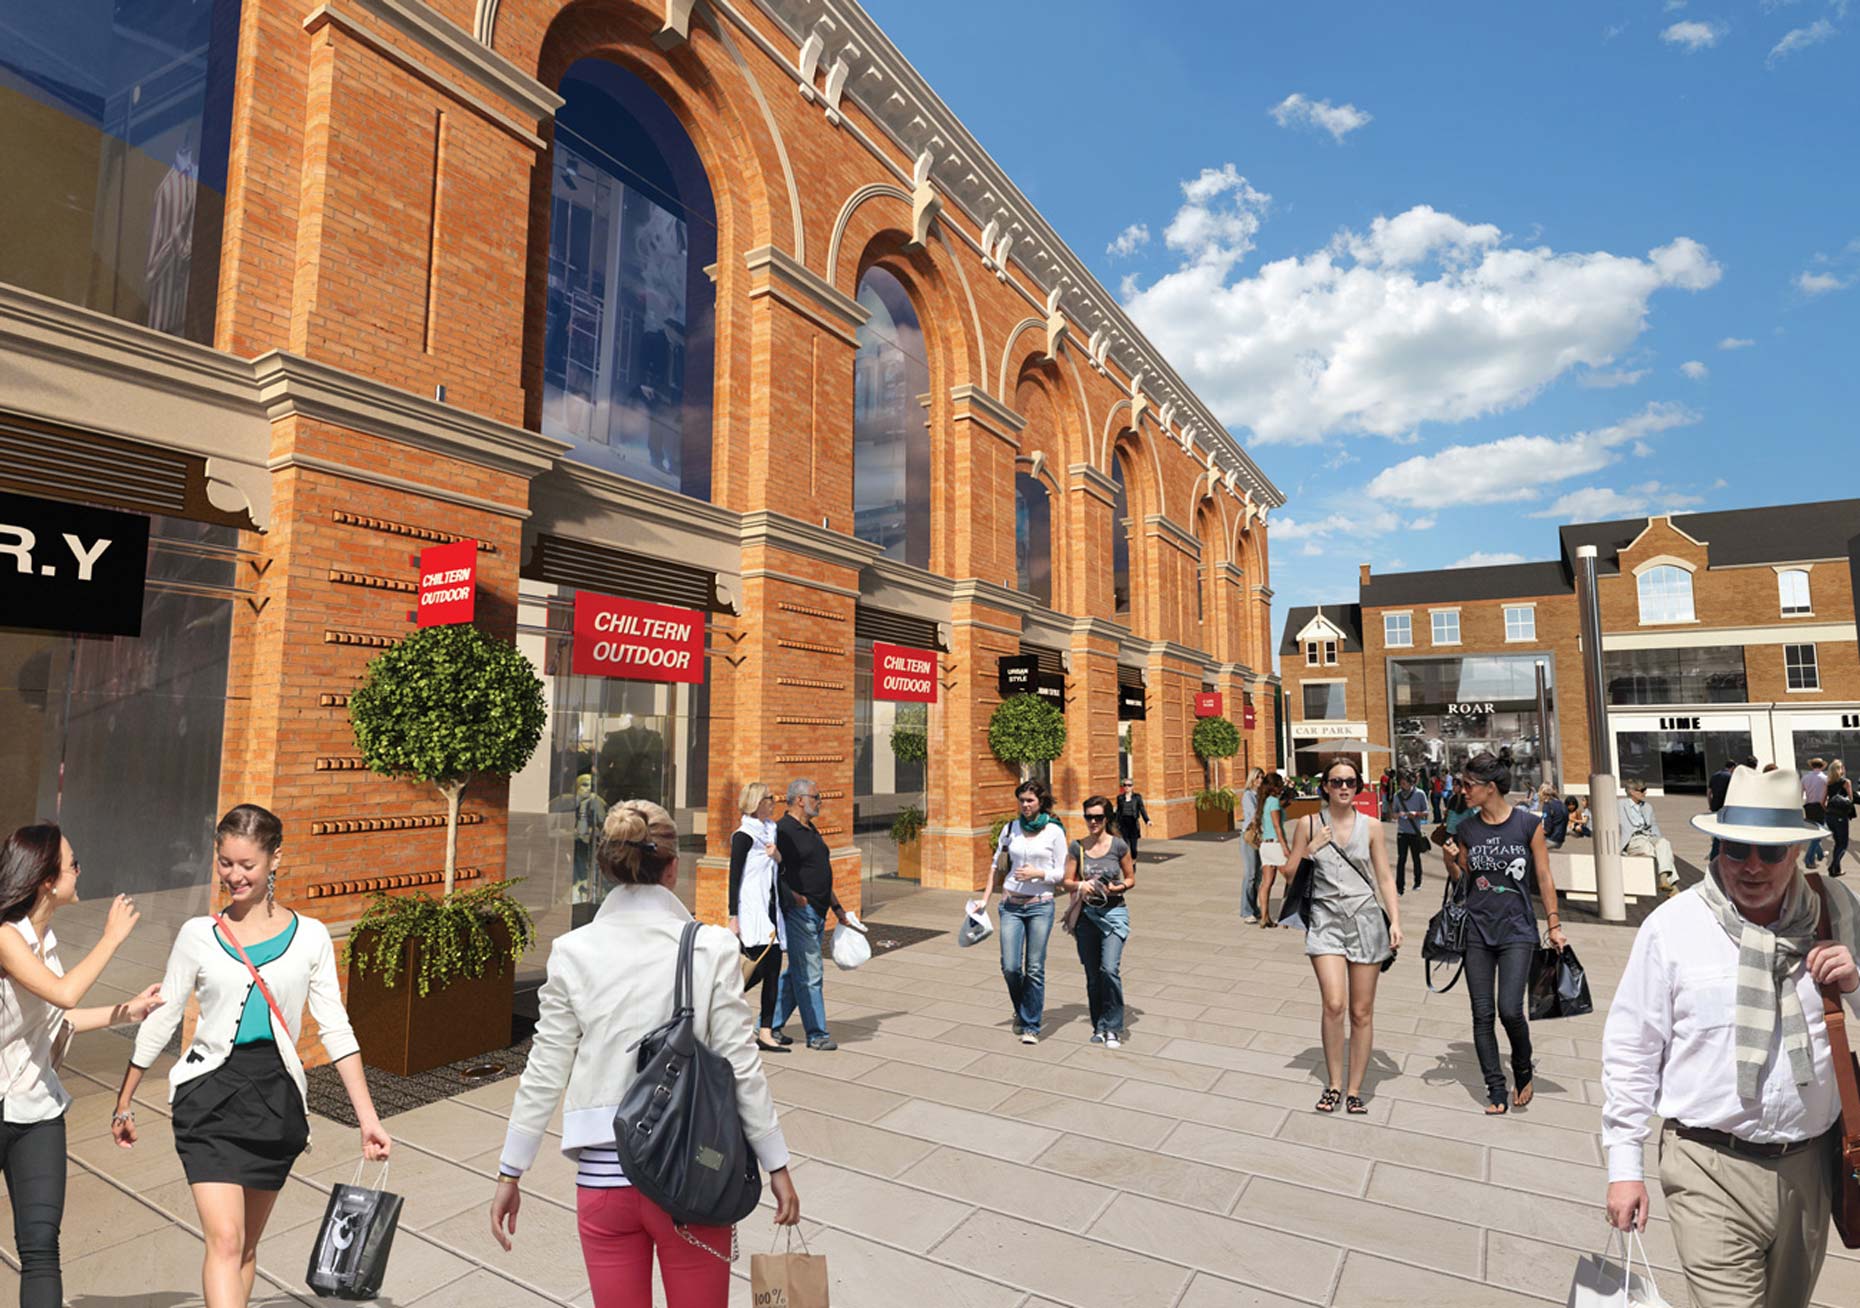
point(788, 1280)
point(1572, 986)
point(975, 924)
point(350, 1255)
point(1541, 992)
point(1601, 1282)
point(849, 949)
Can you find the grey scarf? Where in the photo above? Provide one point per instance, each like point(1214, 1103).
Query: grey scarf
point(1766, 956)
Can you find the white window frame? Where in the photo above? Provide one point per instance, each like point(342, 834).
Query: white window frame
point(1433, 625)
point(1655, 567)
point(1812, 668)
point(1330, 653)
point(1530, 615)
point(1407, 617)
point(1807, 607)
point(1312, 655)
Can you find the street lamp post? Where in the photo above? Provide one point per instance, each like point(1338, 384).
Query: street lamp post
point(1605, 815)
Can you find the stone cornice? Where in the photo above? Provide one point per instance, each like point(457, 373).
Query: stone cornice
point(789, 279)
point(1101, 629)
point(1168, 649)
point(477, 61)
point(1182, 540)
point(777, 531)
point(973, 590)
point(900, 588)
point(641, 500)
point(976, 398)
point(1044, 627)
point(1094, 482)
point(1230, 571)
point(290, 386)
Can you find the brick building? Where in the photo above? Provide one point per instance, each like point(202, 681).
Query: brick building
point(1723, 634)
point(715, 306)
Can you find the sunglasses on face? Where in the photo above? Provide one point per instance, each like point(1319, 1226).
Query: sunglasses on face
point(1343, 783)
point(1737, 851)
point(1094, 817)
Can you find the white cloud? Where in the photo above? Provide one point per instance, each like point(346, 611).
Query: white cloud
point(1317, 534)
point(1613, 30)
point(1423, 523)
point(1814, 283)
point(1129, 241)
point(1609, 379)
point(1801, 38)
point(1421, 318)
point(1601, 503)
point(1512, 469)
point(1483, 559)
point(1337, 119)
point(1736, 343)
point(1672, 6)
point(1694, 36)
point(1695, 370)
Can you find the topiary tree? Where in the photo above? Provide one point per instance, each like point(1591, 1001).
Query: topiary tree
point(445, 705)
point(910, 733)
point(1025, 730)
point(1215, 739)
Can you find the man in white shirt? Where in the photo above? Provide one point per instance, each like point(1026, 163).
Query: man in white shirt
point(1814, 803)
point(1640, 834)
point(1717, 1028)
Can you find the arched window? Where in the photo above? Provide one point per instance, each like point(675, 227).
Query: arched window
point(1665, 595)
point(891, 426)
point(629, 346)
point(1793, 585)
point(1033, 538)
point(1120, 542)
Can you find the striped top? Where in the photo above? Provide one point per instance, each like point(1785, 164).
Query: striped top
point(597, 1167)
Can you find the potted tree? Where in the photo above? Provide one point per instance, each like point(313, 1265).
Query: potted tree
point(1214, 739)
point(905, 828)
point(910, 743)
point(432, 980)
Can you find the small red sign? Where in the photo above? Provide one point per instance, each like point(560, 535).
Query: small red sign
point(636, 641)
point(448, 583)
point(1247, 718)
point(901, 672)
point(1368, 802)
point(1208, 704)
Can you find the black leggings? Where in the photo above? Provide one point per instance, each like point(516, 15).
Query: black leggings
point(1838, 828)
point(1510, 965)
point(768, 972)
point(33, 1158)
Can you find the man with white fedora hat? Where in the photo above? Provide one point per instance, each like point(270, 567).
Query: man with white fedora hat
point(1717, 1028)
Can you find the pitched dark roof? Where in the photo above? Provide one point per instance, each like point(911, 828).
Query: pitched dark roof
point(1347, 616)
point(1501, 581)
point(1777, 533)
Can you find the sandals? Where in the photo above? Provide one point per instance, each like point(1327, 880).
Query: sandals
point(1328, 1101)
point(1354, 1104)
point(1524, 1094)
point(1497, 1110)
point(1267, 922)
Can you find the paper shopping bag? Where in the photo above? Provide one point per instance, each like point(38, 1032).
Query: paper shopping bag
point(1603, 1282)
point(349, 1258)
point(788, 1280)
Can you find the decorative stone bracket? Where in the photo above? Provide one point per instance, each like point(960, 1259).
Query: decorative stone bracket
point(925, 203)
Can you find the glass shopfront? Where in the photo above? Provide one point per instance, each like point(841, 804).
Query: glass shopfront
point(1445, 710)
point(890, 776)
point(1700, 675)
point(1678, 762)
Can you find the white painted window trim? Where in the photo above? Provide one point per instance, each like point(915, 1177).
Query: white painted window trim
point(1398, 613)
point(1434, 640)
point(1666, 561)
point(1801, 690)
point(1782, 570)
point(1530, 608)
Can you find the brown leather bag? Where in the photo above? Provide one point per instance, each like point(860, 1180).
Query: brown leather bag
point(1847, 1077)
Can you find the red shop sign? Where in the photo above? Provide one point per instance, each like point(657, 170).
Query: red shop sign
point(637, 641)
point(1369, 802)
point(901, 672)
point(448, 583)
point(1208, 704)
point(1246, 717)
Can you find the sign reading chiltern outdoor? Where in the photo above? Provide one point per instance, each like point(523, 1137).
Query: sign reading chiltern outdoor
point(1132, 704)
point(637, 641)
point(903, 673)
point(448, 583)
point(73, 568)
point(1208, 704)
point(1019, 674)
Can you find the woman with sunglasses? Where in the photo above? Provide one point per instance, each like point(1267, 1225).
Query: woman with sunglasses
point(1035, 845)
point(1100, 869)
point(1345, 936)
point(1494, 856)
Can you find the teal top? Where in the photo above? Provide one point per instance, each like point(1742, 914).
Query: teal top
point(255, 1018)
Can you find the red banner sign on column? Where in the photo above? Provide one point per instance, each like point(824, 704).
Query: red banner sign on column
point(448, 583)
point(636, 641)
point(1208, 704)
point(901, 672)
point(1369, 802)
point(1247, 718)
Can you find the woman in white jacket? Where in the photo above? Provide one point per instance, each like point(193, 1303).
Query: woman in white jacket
point(610, 983)
point(237, 1097)
point(755, 914)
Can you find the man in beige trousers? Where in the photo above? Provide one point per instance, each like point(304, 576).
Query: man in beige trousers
point(1717, 1028)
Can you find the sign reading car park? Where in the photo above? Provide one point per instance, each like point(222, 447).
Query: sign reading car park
point(637, 641)
point(448, 583)
point(67, 567)
point(903, 673)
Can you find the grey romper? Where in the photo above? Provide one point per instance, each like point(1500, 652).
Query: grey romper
point(1346, 917)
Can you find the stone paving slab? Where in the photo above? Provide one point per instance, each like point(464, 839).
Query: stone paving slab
point(942, 1164)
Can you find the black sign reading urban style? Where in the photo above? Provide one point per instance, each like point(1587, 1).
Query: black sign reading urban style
point(1020, 674)
point(1132, 704)
point(65, 567)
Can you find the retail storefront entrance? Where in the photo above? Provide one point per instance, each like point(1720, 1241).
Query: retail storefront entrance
point(1445, 710)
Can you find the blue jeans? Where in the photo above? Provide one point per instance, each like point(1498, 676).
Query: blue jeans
point(1024, 929)
point(1249, 880)
point(800, 984)
point(1100, 938)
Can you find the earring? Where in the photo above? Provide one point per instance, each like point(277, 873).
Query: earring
point(271, 888)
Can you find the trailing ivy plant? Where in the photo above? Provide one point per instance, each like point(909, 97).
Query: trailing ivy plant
point(444, 705)
point(1025, 730)
point(1215, 797)
point(454, 935)
point(908, 824)
point(910, 733)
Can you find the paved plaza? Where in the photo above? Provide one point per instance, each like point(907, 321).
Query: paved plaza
point(941, 1164)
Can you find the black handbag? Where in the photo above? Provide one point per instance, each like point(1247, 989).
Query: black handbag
point(676, 1131)
point(1840, 805)
point(349, 1257)
point(1445, 941)
point(1558, 985)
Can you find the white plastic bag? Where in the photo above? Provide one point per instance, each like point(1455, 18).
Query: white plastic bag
point(849, 949)
point(1601, 1282)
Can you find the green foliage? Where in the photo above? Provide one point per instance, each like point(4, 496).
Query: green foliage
point(446, 704)
point(1218, 797)
point(910, 733)
point(1025, 729)
point(996, 827)
point(1215, 738)
point(453, 933)
point(908, 824)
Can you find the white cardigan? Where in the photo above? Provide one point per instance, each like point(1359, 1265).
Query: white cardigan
point(610, 982)
point(199, 964)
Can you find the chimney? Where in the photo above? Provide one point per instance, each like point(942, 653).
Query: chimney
point(1363, 576)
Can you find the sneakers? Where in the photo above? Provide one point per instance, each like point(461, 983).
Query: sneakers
point(1017, 1026)
point(1097, 1037)
point(1111, 1041)
point(823, 1043)
point(1029, 1038)
point(1250, 921)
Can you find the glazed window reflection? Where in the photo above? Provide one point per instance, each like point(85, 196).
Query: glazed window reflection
point(891, 425)
point(1033, 538)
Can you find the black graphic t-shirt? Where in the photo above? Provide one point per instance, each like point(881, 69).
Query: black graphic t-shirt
point(1499, 878)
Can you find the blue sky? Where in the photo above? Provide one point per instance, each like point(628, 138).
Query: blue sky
point(1455, 273)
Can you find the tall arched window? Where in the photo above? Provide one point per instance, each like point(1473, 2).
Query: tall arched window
point(1665, 595)
point(1033, 538)
point(629, 346)
point(891, 426)
point(1120, 542)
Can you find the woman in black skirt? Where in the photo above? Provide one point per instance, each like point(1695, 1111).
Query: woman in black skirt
point(237, 1096)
